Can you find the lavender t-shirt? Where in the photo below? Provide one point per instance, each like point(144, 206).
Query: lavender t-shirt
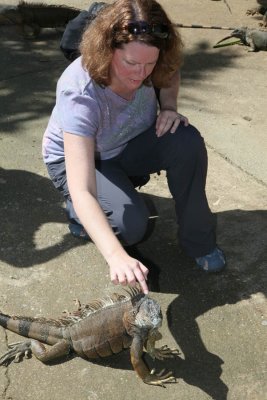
point(88, 109)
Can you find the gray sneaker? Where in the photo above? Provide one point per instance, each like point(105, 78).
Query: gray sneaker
point(213, 262)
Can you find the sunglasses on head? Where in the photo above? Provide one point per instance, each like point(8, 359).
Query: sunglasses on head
point(140, 27)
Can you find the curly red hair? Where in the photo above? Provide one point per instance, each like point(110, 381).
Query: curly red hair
point(107, 33)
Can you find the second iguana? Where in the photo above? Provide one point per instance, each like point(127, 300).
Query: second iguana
point(255, 39)
point(98, 329)
point(30, 18)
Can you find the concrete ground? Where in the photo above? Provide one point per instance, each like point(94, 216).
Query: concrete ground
point(218, 323)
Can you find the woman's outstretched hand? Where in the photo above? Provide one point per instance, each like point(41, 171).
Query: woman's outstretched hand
point(126, 270)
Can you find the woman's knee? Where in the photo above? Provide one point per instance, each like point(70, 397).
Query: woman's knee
point(191, 138)
point(190, 145)
point(183, 148)
point(133, 224)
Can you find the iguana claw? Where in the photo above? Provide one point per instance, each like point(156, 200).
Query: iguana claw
point(165, 352)
point(17, 350)
point(160, 378)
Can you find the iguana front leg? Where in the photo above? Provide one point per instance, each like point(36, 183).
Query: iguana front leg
point(159, 353)
point(18, 350)
point(141, 368)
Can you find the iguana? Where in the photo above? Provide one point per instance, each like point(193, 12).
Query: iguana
point(35, 16)
point(256, 39)
point(261, 9)
point(98, 329)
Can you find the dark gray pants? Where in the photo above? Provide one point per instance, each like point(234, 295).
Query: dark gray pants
point(184, 158)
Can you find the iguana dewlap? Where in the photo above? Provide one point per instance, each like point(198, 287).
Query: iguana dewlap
point(99, 329)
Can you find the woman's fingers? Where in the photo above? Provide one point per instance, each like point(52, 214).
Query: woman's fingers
point(141, 273)
point(169, 121)
point(131, 275)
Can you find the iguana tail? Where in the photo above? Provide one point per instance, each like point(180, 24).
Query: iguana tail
point(3, 320)
point(45, 330)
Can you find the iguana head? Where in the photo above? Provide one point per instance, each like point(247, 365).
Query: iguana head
point(145, 315)
point(148, 314)
point(239, 33)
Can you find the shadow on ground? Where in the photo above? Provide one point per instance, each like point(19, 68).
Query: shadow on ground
point(28, 78)
point(28, 201)
point(242, 236)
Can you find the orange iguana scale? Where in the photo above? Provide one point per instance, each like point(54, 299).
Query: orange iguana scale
point(98, 329)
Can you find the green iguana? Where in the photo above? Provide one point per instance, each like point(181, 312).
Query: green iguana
point(256, 39)
point(98, 329)
point(261, 9)
point(34, 16)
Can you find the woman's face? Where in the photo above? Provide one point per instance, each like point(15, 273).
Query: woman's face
point(131, 65)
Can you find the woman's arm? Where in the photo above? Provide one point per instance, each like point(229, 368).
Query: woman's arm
point(169, 118)
point(80, 167)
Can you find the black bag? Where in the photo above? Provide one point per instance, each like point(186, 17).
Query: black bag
point(72, 35)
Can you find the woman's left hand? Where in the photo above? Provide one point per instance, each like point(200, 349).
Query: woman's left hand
point(169, 120)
